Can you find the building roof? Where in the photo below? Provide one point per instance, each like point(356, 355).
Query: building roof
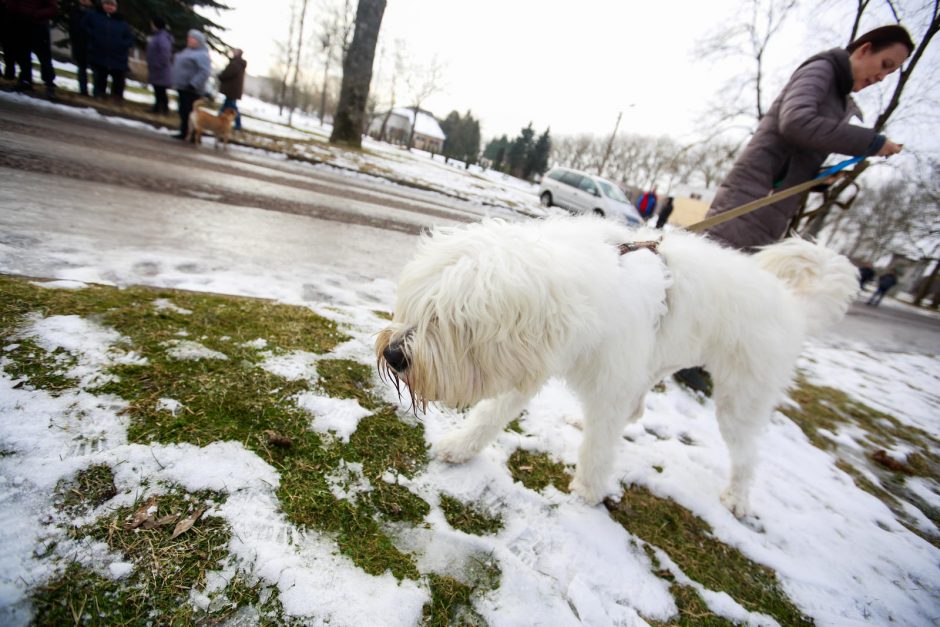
point(426, 125)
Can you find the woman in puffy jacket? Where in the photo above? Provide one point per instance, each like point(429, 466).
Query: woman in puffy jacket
point(808, 121)
point(191, 70)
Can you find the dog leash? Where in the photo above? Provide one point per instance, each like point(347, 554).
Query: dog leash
point(772, 198)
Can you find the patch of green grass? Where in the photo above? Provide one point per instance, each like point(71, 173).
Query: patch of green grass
point(451, 598)
point(450, 604)
point(165, 570)
point(38, 368)
point(536, 471)
point(824, 408)
point(234, 399)
point(469, 518)
point(689, 542)
point(88, 489)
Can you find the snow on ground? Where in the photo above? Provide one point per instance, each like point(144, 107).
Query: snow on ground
point(840, 553)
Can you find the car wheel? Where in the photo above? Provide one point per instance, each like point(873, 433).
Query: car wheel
point(546, 199)
point(599, 212)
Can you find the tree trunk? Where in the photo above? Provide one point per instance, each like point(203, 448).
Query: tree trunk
point(414, 123)
point(326, 75)
point(357, 74)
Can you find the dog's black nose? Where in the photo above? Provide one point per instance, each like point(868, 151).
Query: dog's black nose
point(395, 357)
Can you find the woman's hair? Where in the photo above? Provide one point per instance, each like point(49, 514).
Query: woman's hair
point(159, 22)
point(882, 37)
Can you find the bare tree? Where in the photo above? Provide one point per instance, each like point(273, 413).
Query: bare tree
point(357, 74)
point(334, 39)
point(287, 50)
point(749, 38)
point(297, 52)
point(423, 82)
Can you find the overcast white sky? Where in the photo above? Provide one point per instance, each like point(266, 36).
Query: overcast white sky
point(572, 66)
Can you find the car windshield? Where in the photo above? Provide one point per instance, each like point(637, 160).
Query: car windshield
point(612, 191)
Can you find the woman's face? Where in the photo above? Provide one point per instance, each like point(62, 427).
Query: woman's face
point(192, 42)
point(870, 67)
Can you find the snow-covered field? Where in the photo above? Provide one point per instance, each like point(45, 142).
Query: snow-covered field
point(840, 553)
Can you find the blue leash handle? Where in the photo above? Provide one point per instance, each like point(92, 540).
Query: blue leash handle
point(839, 166)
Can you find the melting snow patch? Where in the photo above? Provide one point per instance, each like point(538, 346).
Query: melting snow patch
point(165, 304)
point(187, 350)
point(338, 415)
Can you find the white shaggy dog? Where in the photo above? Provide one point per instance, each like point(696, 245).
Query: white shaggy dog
point(488, 312)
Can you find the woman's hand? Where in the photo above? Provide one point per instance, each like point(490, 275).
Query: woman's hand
point(890, 148)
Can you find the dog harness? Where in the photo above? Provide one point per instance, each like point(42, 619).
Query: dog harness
point(630, 247)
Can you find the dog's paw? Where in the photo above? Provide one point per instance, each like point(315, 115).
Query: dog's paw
point(592, 494)
point(736, 504)
point(454, 448)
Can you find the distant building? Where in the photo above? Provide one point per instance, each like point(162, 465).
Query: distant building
point(428, 133)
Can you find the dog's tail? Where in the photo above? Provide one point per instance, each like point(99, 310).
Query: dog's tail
point(824, 281)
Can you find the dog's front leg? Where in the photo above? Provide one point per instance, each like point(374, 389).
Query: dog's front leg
point(603, 428)
point(487, 419)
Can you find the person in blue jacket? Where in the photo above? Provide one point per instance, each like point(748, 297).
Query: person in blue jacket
point(191, 70)
point(109, 41)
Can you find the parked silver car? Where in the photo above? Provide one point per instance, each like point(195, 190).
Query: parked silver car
point(581, 192)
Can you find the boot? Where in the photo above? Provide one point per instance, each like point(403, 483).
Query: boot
point(696, 379)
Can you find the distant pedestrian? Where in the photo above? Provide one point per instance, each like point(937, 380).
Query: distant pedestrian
point(78, 41)
point(232, 84)
point(865, 274)
point(160, 64)
point(27, 22)
point(191, 70)
point(646, 203)
point(109, 41)
point(664, 213)
point(885, 282)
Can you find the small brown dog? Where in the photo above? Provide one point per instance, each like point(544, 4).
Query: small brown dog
point(219, 125)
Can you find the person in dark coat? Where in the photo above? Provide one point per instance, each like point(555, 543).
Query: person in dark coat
point(865, 274)
point(191, 70)
point(78, 42)
point(6, 43)
point(232, 84)
point(807, 121)
point(664, 213)
point(885, 282)
point(160, 64)
point(109, 41)
point(27, 23)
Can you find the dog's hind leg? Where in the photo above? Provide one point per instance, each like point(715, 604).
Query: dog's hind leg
point(743, 414)
point(487, 419)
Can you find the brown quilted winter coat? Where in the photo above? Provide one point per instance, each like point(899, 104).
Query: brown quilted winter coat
point(232, 79)
point(808, 121)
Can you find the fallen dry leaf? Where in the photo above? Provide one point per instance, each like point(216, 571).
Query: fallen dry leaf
point(150, 523)
point(142, 514)
point(184, 525)
point(276, 439)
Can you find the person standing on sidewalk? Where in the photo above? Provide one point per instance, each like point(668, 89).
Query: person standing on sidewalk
point(27, 24)
point(160, 64)
point(191, 70)
point(232, 84)
point(78, 42)
point(885, 282)
point(109, 41)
